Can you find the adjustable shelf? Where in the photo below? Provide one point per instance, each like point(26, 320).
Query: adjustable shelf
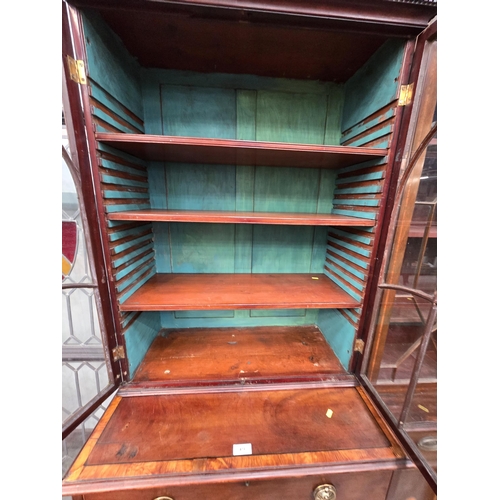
point(175, 292)
point(227, 217)
point(237, 152)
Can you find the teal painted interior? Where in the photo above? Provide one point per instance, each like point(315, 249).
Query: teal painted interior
point(243, 107)
point(338, 332)
point(139, 336)
point(374, 85)
point(238, 318)
point(255, 108)
point(110, 65)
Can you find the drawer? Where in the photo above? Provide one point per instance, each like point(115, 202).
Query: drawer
point(370, 485)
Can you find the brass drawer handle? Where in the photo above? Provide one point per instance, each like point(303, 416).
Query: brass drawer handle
point(163, 498)
point(325, 492)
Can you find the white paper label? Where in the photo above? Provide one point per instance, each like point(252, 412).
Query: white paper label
point(242, 449)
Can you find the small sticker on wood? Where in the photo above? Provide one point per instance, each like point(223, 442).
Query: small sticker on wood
point(329, 413)
point(242, 449)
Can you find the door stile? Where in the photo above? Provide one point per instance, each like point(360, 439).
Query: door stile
point(75, 101)
point(386, 207)
point(416, 133)
point(405, 149)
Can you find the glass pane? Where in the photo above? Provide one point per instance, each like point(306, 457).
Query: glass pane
point(84, 370)
point(403, 362)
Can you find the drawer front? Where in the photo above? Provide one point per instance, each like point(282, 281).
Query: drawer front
point(348, 486)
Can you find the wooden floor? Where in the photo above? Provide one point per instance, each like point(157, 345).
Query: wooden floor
point(232, 354)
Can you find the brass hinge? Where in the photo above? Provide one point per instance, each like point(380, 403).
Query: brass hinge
point(359, 346)
point(76, 70)
point(405, 95)
point(118, 353)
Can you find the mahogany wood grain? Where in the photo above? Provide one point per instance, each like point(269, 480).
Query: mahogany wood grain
point(227, 354)
point(237, 152)
point(146, 427)
point(359, 486)
point(195, 426)
point(175, 292)
point(226, 217)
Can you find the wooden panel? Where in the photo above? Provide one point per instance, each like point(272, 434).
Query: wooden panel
point(170, 292)
point(235, 152)
point(230, 354)
point(354, 486)
point(202, 44)
point(132, 443)
point(187, 426)
point(217, 216)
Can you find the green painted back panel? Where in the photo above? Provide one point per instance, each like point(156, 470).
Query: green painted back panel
point(251, 108)
point(200, 187)
point(291, 117)
point(139, 336)
point(238, 318)
point(110, 64)
point(198, 111)
point(287, 189)
point(204, 105)
point(202, 248)
point(374, 85)
point(338, 332)
point(282, 249)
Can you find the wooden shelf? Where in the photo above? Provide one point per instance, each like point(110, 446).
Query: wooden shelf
point(425, 396)
point(418, 230)
point(191, 292)
point(236, 152)
point(226, 217)
point(229, 355)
